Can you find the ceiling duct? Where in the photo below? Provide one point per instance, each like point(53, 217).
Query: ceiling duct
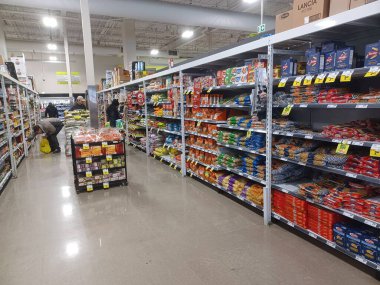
point(157, 11)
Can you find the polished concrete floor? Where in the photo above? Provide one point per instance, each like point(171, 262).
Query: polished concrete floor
point(161, 229)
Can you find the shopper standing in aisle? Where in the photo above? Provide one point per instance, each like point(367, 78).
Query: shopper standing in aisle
point(51, 111)
point(80, 104)
point(51, 128)
point(113, 113)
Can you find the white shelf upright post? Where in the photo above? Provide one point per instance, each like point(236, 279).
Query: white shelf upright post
point(126, 117)
point(268, 165)
point(147, 145)
point(182, 112)
point(22, 122)
point(9, 133)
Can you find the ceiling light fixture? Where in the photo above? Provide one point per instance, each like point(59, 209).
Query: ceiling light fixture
point(52, 46)
point(187, 34)
point(52, 58)
point(50, 22)
point(249, 1)
point(154, 52)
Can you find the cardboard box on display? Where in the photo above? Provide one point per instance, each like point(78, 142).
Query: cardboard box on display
point(357, 3)
point(284, 21)
point(339, 6)
point(307, 11)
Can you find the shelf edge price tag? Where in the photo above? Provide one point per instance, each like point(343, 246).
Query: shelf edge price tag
point(287, 110)
point(375, 150)
point(106, 185)
point(199, 123)
point(342, 148)
point(308, 80)
point(346, 75)
point(373, 71)
point(104, 144)
point(90, 188)
point(249, 133)
point(86, 146)
point(282, 82)
point(106, 171)
point(297, 81)
point(88, 174)
point(331, 77)
point(88, 160)
point(320, 78)
point(209, 90)
point(109, 157)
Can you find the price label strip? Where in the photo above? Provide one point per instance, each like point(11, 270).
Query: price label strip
point(373, 71)
point(282, 82)
point(90, 188)
point(375, 150)
point(346, 75)
point(86, 146)
point(106, 171)
point(342, 148)
point(109, 157)
point(287, 110)
point(88, 174)
point(308, 80)
point(104, 144)
point(331, 77)
point(320, 78)
point(199, 123)
point(209, 90)
point(249, 133)
point(106, 185)
point(88, 160)
point(298, 81)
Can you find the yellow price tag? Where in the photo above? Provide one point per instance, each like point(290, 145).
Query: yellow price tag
point(373, 71)
point(90, 188)
point(287, 110)
point(297, 81)
point(104, 144)
point(161, 159)
point(191, 174)
point(77, 117)
point(109, 157)
point(331, 77)
point(209, 90)
point(249, 133)
point(106, 185)
point(346, 75)
point(86, 146)
point(171, 164)
point(320, 78)
point(88, 174)
point(375, 150)
point(199, 123)
point(282, 82)
point(154, 156)
point(106, 171)
point(342, 148)
point(175, 167)
point(308, 80)
point(88, 160)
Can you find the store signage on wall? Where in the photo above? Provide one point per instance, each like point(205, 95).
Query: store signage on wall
point(63, 79)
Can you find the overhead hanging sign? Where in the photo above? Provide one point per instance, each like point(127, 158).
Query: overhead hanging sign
point(62, 78)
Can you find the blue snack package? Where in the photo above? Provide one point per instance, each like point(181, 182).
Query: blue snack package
point(370, 246)
point(330, 61)
point(288, 67)
point(372, 55)
point(353, 238)
point(344, 58)
point(313, 63)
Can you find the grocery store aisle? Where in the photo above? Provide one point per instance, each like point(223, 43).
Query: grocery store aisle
point(161, 229)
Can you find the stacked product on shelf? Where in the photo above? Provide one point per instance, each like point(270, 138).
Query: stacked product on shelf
point(99, 159)
point(74, 121)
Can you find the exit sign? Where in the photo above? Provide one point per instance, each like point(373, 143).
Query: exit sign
point(261, 28)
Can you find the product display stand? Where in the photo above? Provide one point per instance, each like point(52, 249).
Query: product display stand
point(303, 149)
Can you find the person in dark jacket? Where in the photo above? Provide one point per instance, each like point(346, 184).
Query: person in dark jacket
point(51, 111)
point(113, 113)
point(80, 104)
point(51, 128)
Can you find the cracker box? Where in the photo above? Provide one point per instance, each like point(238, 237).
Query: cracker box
point(353, 241)
point(330, 58)
point(288, 67)
point(372, 54)
point(369, 247)
point(344, 58)
point(314, 62)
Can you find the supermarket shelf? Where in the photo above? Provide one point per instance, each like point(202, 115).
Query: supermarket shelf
point(20, 159)
point(98, 143)
point(2, 132)
point(15, 135)
point(196, 161)
point(206, 121)
point(232, 87)
point(250, 177)
point(319, 137)
point(99, 186)
point(193, 174)
point(168, 159)
point(167, 131)
point(172, 146)
point(18, 147)
point(4, 157)
point(214, 152)
point(225, 126)
point(140, 147)
point(332, 170)
point(3, 143)
point(201, 135)
point(331, 244)
point(165, 117)
point(232, 106)
point(151, 91)
point(358, 73)
point(100, 170)
point(158, 103)
point(5, 180)
point(138, 127)
point(290, 188)
point(330, 106)
point(241, 148)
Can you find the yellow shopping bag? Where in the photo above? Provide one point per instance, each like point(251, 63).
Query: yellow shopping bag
point(44, 145)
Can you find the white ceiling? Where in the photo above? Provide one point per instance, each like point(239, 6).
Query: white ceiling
point(24, 24)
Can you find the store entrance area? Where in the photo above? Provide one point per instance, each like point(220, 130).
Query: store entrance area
point(160, 229)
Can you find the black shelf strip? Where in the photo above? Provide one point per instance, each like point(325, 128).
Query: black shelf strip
point(330, 106)
point(99, 186)
point(101, 170)
point(233, 87)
